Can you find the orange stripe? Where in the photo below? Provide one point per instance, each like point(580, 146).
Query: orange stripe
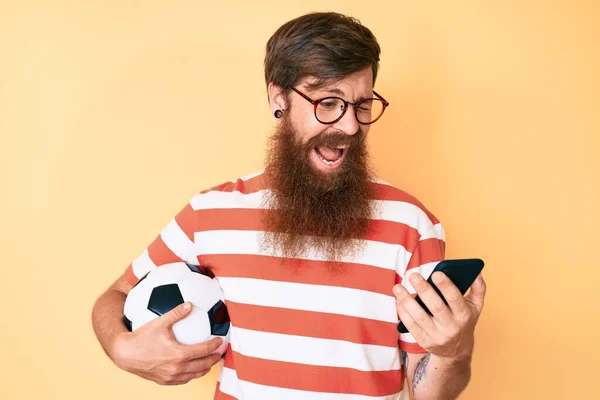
point(313, 324)
point(351, 275)
point(160, 253)
point(314, 378)
point(388, 192)
point(186, 220)
point(411, 347)
point(251, 185)
point(428, 250)
point(381, 192)
point(250, 220)
point(220, 395)
point(398, 279)
point(393, 233)
point(213, 219)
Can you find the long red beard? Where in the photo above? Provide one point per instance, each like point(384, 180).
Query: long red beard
point(314, 210)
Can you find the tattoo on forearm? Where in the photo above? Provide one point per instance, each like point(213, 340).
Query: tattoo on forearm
point(420, 371)
point(405, 360)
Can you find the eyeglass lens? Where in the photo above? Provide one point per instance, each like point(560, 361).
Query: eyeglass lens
point(367, 111)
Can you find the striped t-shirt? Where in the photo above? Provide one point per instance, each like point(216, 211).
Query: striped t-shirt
point(300, 332)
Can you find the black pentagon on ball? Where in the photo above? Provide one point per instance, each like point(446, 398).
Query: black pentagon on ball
point(127, 323)
point(165, 298)
point(193, 268)
point(200, 270)
point(219, 319)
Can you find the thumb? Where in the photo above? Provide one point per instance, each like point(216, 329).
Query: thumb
point(476, 295)
point(176, 314)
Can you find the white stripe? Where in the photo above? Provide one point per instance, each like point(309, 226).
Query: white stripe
point(253, 175)
point(381, 181)
point(377, 254)
point(437, 231)
point(404, 213)
point(235, 199)
point(142, 265)
point(230, 383)
point(233, 386)
point(178, 242)
point(407, 337)
point(314, 351)
point(425, 270)
point(318, 298)
point(389, 210)
point(247, 177)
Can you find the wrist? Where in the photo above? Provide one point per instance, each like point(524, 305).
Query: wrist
point(455, 362)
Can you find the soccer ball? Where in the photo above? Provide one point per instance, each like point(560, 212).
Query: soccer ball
point(167, 286)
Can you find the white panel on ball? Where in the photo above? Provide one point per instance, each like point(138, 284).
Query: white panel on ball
point(167, 274)
point(140, 317)
point(194, 328)
point(137, 299)
point(201, 290)
point(223, 347)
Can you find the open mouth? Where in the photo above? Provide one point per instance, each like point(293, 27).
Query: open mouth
point(331, 156)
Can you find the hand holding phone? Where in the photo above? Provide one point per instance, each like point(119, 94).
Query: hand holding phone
point(462, 272)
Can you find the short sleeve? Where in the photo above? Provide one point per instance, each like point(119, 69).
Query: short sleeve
point(175, 243)
point(428, 252)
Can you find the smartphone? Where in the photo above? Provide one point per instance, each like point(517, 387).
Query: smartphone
point(461, 272)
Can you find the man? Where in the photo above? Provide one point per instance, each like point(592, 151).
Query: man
point(318, 259)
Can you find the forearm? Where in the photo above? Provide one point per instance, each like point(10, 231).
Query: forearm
point(436, 378)
point(107, 319)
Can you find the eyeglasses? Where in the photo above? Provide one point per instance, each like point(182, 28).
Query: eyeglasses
point(330, 110)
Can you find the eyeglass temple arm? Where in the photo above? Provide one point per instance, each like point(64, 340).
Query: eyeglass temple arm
point(314, 102)
point(387, 103)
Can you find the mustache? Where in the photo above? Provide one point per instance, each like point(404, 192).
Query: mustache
point(334, 139)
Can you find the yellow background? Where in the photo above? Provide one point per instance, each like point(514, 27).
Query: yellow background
point(113, 113)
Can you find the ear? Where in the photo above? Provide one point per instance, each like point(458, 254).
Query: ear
point(277, 97)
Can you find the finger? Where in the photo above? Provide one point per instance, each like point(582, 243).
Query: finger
point(185, 378)
point(476, 295)
point(178, 313)
point(413, 328)
point(414, 310)
point(194, 351)
point(435, 304)
point(200, 364)
point(451, 293)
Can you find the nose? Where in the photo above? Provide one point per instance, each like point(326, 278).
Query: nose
point(348, 124)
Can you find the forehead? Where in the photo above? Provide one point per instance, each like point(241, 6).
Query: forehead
point(358, 84)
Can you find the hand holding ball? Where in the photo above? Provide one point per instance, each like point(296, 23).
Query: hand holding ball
point(169, 285)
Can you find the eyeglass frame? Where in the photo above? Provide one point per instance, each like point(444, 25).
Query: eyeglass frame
point(316, 103)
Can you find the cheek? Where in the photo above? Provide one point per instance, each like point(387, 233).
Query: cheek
point(309, 129)
point(314, 130)
point(365, 130)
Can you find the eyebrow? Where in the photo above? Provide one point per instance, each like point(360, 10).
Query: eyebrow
point(336, 91)
point(341, 93)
